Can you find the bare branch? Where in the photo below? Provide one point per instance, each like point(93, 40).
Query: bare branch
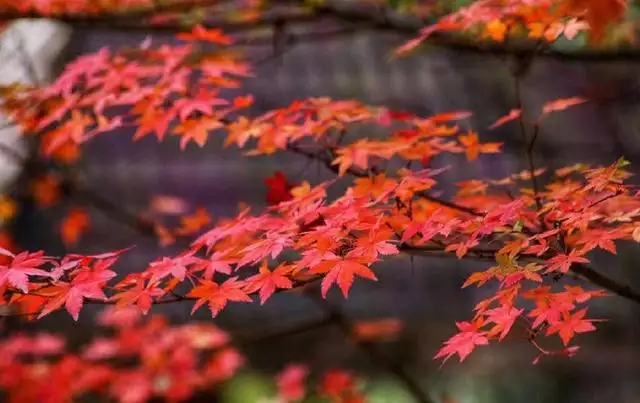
point(605, 282)
point(529, 143)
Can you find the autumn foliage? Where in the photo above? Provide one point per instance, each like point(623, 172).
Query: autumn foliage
point(304, 240)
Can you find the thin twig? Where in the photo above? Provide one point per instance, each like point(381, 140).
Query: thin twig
point(529, 144)
point(605, 282)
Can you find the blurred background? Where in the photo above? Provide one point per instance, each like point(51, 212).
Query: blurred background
point(425, 294)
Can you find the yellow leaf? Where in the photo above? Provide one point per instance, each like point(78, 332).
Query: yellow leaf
point(8, 208)
point(496, 30)
point(303, 189)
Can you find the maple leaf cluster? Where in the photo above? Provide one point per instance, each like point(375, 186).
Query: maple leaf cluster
point(139, 361)
point(53, 7)
point(304, 238)
point(157, 85)
point(544, 21)
point(338, 241)
point(144, 359)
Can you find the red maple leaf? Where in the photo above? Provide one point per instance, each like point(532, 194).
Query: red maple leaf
point(203, 103)
point(570, 325)
point(598, 238)
point(278, 189)
point(376, 243)
point(291, 382)
point(140, 295)
point(549, 309)
point(268, 281)
point(338, 383)
point(72, 295)
point(175, 267)
point(200, 33)
point(272, 246)
point(465, 341)
point(217, 295)
point(504, 317)
point(74, 225)
point(17, 272)
point(342, 271)
point(217, 263)
point(563, 262)
point(224, 364)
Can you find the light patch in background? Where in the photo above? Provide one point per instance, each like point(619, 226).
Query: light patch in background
point(29, 50)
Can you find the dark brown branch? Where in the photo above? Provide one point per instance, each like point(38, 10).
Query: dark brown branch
point(605, 282)
point(529, 144)
point(582, 270)
point(438, 251)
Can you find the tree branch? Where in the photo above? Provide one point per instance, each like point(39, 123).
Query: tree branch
point(529, 144)
point(605, 282)
point(370, 17)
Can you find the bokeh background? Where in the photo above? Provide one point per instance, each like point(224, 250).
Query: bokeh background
point(425, 294)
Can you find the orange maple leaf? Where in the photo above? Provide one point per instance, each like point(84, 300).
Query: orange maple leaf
point(46, 190)
point(374, 187)
point(268, 281)
point(193, 223)
point(152, 120)
point(569, 325)
point(74, 225)
point(140, 295)
point(200, 33)
point(342, 271)
point(217, 295)
point(496, 30)
point(380, 329)
point(243, 101)
point(67, 153)
point(512, 115)
point(473, 148)
point(196, 130)
point(561, 104)
point(165, 237)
